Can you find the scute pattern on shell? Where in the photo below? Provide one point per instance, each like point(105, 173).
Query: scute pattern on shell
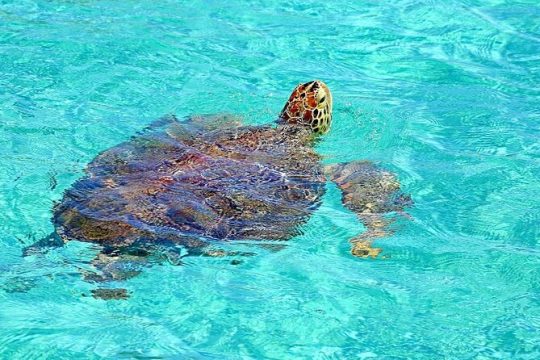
point(183, 183)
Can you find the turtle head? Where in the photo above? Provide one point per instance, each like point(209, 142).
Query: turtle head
point(310, 105)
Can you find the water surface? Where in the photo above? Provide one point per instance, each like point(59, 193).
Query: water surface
point(444, 93)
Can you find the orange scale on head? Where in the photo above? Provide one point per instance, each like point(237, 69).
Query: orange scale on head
point(311, 101)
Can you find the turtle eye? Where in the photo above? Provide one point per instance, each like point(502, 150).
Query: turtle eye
point(323, 99)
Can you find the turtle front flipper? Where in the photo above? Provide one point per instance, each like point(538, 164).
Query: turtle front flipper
point(371, 193)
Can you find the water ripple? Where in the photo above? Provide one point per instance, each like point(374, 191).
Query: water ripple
point(444, 94)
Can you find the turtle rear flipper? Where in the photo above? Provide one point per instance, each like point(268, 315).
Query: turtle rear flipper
point(371, 193)
point(119, 264)
point(126, 262)
point(115, 267)
point(42, 246)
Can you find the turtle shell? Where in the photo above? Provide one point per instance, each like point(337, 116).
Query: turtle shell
point(184, 183)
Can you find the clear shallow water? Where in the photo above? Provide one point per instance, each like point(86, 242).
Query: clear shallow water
point(445, 94)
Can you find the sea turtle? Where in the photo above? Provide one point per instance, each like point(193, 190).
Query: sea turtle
point(196, 183)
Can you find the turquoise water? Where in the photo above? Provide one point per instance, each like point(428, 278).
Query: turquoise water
point(444, 93)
